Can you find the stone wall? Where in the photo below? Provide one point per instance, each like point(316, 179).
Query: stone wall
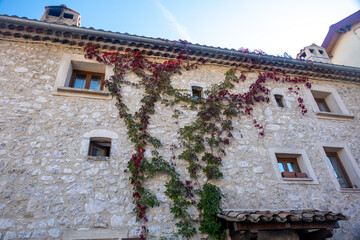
point(49, 188)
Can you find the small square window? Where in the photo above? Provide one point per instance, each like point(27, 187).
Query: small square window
point(196, 92)
point(87, 80)
point(279, 100)
point(321, 52)
point(339, 170)
point(68, 15)
point(323, 107)
point(311, 50)
point(99, 147)
point(289, 168)
point(55, 12)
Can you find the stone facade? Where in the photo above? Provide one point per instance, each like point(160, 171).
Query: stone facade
point(50, 189)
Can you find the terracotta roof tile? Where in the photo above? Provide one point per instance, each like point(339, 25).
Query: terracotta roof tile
point(281, 216)
point(43, 31)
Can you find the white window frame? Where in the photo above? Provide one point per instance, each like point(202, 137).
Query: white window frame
point(303, 161)
point(348, 162)
point(332, 99)
point(70, 62)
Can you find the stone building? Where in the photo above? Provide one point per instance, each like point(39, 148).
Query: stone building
point(294, 182)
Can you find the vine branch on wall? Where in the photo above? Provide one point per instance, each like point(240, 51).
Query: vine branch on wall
point(204, 141)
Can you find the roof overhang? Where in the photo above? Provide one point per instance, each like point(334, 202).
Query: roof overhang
point(309, 224)
point(339, 28)
point(34, 30)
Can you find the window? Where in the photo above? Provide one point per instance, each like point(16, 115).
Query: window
point(292, 166)
point(323, 107)
point(196, 92)
point(279, 100)
point(99, 144)
point(99, 147)
point(55, 12)
point(289, 167)
point(342, 166)
point(82, 77)
point(87, 80)
point(322, 99)
point(326, 102)
point(68, 16)
point(321, 52)
point(338, 169)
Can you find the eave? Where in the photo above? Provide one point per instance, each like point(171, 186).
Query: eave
point(34, 30)
point(337, 29)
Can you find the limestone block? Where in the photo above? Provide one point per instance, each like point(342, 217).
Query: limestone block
point(21, 69)
point(258, 169)
point(24, 235)
point(80, 188)
point(39, 233)
point(10, 235)
point(6, 223)
point(95, 206)
point(54, 232)
point(32, 206)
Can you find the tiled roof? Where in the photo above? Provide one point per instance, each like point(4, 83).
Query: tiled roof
point(338, 28)
point(281, 216)
point(34, 30)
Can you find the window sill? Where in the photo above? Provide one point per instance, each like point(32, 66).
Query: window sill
point(69, 91)
point(98, 158)
point(297, 179)
point(328, 115)
point(307, 180)
point(350, 190)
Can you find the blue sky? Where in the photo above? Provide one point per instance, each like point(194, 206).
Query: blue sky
point(274, 26)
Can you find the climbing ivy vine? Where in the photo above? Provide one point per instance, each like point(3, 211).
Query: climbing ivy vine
point(203, 142)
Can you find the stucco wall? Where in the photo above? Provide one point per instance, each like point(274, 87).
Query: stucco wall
point(347, 48)
point(49, 188)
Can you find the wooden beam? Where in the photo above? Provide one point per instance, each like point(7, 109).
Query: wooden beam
point(251, 235)
point(320, 234)
point(285, 226)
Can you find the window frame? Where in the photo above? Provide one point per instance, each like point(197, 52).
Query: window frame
point(279, 99)
point(285, 160)
point(196, 92)
point(332, 99)
point(88, 79)
point(306, 174)
point(98, 134)
point(347, 160)
point(323, 102)
point(341, 166)
point(94, 141)
point(70, 62)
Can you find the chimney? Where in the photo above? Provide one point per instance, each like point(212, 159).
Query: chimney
point(313, 53)
point(62, 15)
